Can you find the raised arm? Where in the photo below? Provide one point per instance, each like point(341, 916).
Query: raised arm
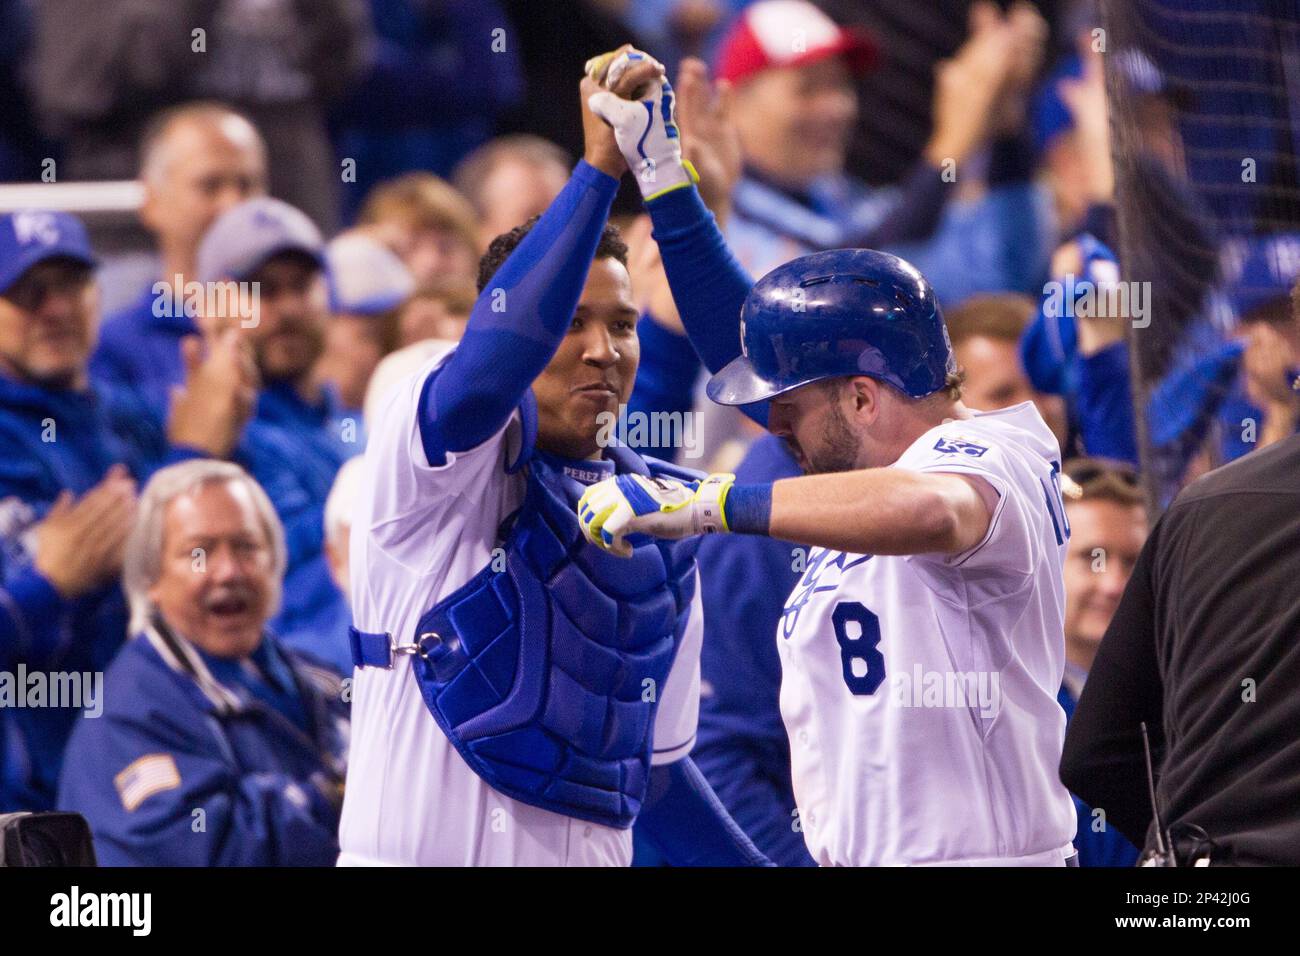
point(525, 309)
point(518, 321)
point(708, 284)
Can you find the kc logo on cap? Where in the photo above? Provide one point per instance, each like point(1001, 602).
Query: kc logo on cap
point(267, 218)
point(40, 227)
point(31, 236)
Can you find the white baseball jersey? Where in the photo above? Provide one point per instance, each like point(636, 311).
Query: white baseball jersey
point(919, 692)
point(420, 532)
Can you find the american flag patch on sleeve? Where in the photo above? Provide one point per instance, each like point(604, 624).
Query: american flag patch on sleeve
point(142, 778)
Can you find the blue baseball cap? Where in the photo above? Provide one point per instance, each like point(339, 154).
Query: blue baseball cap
point(1269, 268)
point(1137, 74)
point(245, 236)
point(1050, 116)
point(32, 236)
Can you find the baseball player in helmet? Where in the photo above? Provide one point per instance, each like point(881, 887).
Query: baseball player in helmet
point(922, 647)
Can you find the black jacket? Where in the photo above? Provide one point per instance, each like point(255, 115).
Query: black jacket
point(1205, 648)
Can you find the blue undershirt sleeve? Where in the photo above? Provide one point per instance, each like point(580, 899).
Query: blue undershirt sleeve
point(518, 321)
point(709, 285)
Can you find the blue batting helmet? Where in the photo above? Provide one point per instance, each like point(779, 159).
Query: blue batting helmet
point(842, 312)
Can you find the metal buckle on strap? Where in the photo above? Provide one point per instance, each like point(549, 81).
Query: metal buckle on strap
point(379, 649)
point(426, 642)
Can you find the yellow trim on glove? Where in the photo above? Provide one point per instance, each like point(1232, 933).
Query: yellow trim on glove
point(690, 171)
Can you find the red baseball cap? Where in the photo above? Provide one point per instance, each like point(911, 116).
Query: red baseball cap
point(777, 33)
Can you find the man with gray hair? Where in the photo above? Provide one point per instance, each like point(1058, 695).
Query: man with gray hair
point(217, 745)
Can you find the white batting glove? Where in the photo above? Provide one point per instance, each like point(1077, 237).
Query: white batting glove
point(645, 128)
point(612, 509)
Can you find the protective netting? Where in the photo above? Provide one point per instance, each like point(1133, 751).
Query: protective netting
point(1205, 117)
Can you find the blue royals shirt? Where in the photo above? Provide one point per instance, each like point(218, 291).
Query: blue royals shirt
point(141, 351)
point(57, 439)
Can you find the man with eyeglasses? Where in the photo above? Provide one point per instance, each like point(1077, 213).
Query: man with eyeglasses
point(71, 455)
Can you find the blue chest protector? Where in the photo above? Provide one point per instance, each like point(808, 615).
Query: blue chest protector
point(546, 675)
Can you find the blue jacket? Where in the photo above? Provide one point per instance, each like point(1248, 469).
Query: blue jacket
point(141, 351)
point(294, 449)
point(30, 609)
point(742, 746)
point(52, 440)
point(1109, 847)
point(169, 745)
point(30, 612)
